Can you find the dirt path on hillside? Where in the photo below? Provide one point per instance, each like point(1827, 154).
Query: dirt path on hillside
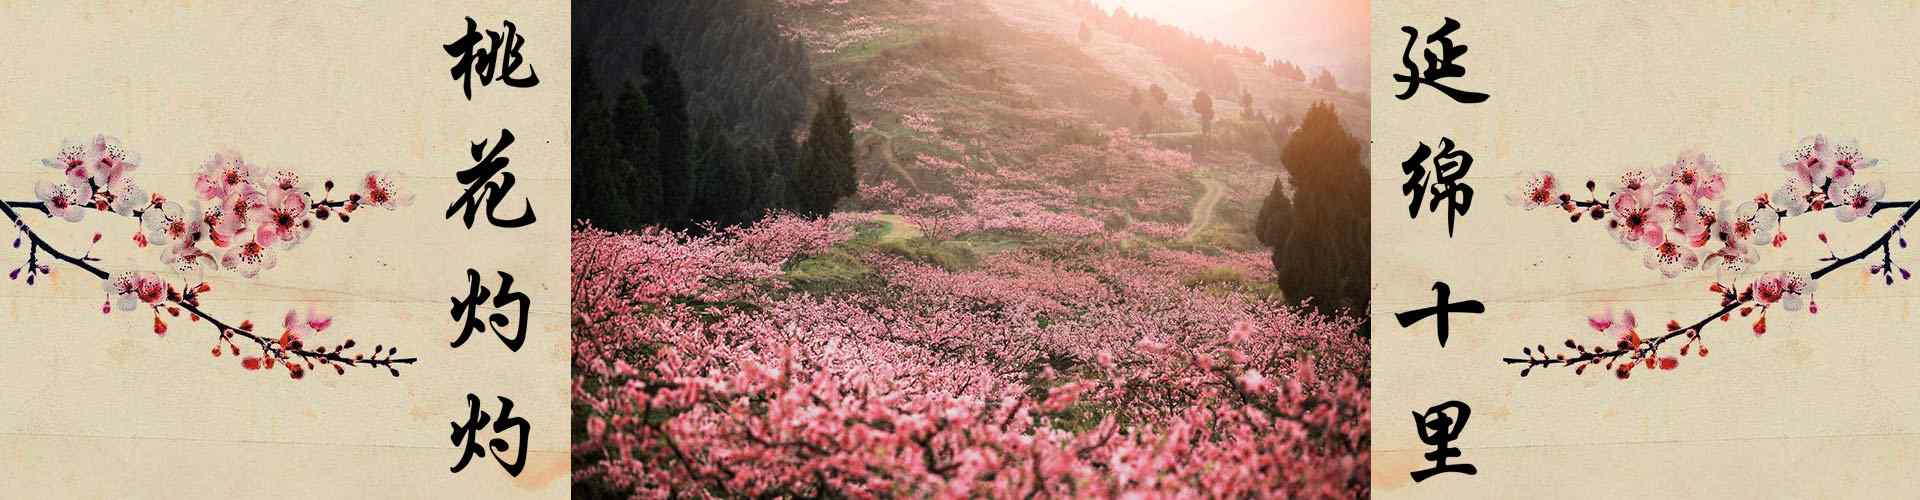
point(898, 229)
point(1203, 209)
point(886, 153)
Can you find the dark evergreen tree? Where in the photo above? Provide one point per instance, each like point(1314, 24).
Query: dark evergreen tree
point(1321, 236)
point(636, 178)
point(733, 60)
point(1159, 95)
point(840, 147)
point(592, 146)
point(1203, 104)
point(1325, 81)
point(668, 106)
point(724, 189)
point(825, 172)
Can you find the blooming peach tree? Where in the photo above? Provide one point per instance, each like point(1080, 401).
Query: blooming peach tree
point(239, 218)
point(699, 372)
point(1679, 217)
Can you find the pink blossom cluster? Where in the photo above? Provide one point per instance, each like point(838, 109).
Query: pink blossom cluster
point(1032, 372)
point(851, 28)
point(1677, 212)
point(882, 195)
point(240, 212)
point(920, 122)
point(1027, 217)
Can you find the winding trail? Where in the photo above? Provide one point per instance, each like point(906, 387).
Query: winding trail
point(1203, 209)
point(886, 153)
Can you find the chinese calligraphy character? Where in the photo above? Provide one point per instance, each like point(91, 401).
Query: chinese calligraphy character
point(479, 181)
point(1449, 166)
point(1439, 65)
point(1438, 429)
point(476, 296)
point(468, 436)
point(478, 61)
point(1441, 310)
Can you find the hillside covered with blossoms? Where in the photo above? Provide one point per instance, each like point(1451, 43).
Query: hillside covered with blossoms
point(1053, 275)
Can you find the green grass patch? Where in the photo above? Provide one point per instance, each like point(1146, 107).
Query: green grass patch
point(947, 255)
point(1218, 276)
point(832, 271)
point(897, 37)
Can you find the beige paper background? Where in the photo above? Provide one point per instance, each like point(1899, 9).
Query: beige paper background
point(97, 406)
point(1822, 406)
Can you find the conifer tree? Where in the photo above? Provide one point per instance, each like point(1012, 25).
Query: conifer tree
point(1321, 237)
point(668, 106)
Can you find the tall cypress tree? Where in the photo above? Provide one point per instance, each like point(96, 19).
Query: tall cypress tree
point(636, 177)
point(592, 148)
point(1321, 239)
point(813, 176)
point(668, 106)
point(825, 171)
point(841, 146)
point(714, 198)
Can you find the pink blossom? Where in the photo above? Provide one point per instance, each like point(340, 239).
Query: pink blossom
point(379, 190)
point(1693, 174)
point(1857, 200)
point(129, 289)
point(61, 200)
point(225, 175)
point(1635, 219)
point(1671, 257)
point(1607, 322)
point(306, 325)
point(98, 161)
point(285, 221)
point(1539, 191)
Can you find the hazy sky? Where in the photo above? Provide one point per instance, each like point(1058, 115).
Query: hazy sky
point(1311, 33)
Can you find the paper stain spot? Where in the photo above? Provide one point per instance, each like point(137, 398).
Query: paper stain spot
point(543, 470)
point(120, 351)
point(1798, 351)
point(1390, 470)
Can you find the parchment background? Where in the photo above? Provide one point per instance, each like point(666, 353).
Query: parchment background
point(97, 406)
point(1821, 406)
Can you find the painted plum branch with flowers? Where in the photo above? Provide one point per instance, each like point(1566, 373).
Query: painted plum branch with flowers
point(241, 216)
point(1679, 216)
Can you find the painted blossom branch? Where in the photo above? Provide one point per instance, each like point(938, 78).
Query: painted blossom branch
point(1669, 212)
point(1883, 244)
point(246, 219)
point(336, 357)
point(40, 245)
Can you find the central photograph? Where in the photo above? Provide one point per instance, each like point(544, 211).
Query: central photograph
point(970, 248)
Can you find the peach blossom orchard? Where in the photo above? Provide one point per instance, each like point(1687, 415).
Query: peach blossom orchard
point(1078, 356)
point(1075, 369)
point(1003, 310)
point(1083, 360)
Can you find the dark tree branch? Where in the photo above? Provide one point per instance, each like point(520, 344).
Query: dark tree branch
point(270, 347)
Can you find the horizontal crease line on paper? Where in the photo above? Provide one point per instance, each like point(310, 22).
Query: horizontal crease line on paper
point(1662, 441)
point(248, 441)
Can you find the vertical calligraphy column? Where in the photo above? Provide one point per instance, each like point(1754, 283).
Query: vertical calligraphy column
point(1428, 137)
point(289, 249)
point(507, 204)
